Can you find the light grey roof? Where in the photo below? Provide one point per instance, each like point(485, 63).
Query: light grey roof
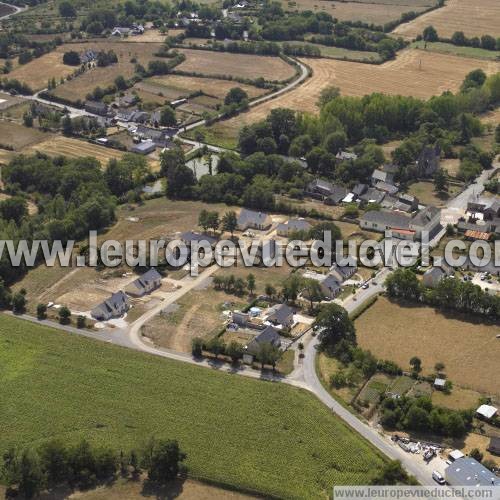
point(320, 184)
point(387, 218)
point(338, 194)
point(379, 175)
point(190, 236)
point(346, 155)
point(249, 216)
point(280, 314)
point(294, 225)
point(331, 283)
point(144, 147)
point(345, 271)
point(373, 195)
point(386, 187)
point(423, 217)
point(117, 299)
point(467, 471)
point(269, 334)
point(359, 189)
point(407, 198)
point(434, 274)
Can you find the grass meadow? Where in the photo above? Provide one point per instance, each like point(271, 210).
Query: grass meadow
point(246, 434)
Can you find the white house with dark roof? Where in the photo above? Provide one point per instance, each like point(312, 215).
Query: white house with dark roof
point(281, 314)
point(268, 335)
point(146, 283)
point(248, 219)
point(114, 307)
point(292, 226)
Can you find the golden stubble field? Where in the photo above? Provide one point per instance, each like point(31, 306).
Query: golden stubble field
point(237, 65)
point(473, 17)
point(367, 12)
point(414, 72)
point(468, 349)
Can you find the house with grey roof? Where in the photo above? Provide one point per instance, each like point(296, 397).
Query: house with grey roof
point(319, 188)
point(96, 108)
point(144, 147)
point(342, 273)
point(381, 176)
point(330, 286)
point(269, 335)
point(190, 236)
point(428, 161)
point(337, 195)
point(281, 314)
point(433, 276)
point(427, 220)
point(386, 187)
point(346, 156)
point(114, 307)
point(146, 283)
point(382, 220)
point(467, 471)
point(359, 189)
point(249, 219)
point(494, 446)
point(372, 195)
point(292, 226)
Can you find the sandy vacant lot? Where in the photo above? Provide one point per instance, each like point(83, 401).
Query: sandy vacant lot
point(469, 350)
point(414, 72)
point(238, 65)
point(473, 17)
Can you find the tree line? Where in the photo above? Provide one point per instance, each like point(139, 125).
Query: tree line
point(30, 471)
point(449, 294)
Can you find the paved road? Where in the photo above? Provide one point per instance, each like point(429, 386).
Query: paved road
point(16, 10)
point(412, 463)
point(304, 73)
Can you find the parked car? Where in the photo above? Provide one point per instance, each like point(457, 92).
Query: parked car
point(438, 477)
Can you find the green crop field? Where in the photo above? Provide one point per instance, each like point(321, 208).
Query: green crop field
point(244, 433)
point(449, 48)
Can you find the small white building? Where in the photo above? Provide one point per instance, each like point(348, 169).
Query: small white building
point(486, 411)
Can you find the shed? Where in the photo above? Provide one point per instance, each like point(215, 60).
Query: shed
point(439, 383)
point(486, 411)
point(455, 455)
point(144, 148)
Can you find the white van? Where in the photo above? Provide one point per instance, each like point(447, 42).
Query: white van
point(438, 477)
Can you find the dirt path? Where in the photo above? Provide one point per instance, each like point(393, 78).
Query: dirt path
point(181, 341)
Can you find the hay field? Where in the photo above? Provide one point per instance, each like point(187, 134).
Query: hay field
point(209, 86)
point(367, 12)
point(403, 76)
point(79, 87)
point(473, 17)
point(74, 148)
point(469, 350)
point(38, 72)
point(19, 137)
point(237, 65)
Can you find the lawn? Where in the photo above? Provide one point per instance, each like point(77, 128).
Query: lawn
point(427, 195)
point(466, 346)
point(19, 137)
point(449, 48)
point(266, 437)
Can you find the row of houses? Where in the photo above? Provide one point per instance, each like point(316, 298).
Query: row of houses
point(403, 226)
point(118, 304)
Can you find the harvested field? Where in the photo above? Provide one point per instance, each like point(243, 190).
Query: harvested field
point(74, 148)
point(19, 137)
point(7, 101)
point(414, 73)
point(474, 18)
point(397, 332)
point(181, 490)
point(341, 53)
point(209, 86)
point(367, 12)
point(236, 65)
point(38, 72)
point(78, 88)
